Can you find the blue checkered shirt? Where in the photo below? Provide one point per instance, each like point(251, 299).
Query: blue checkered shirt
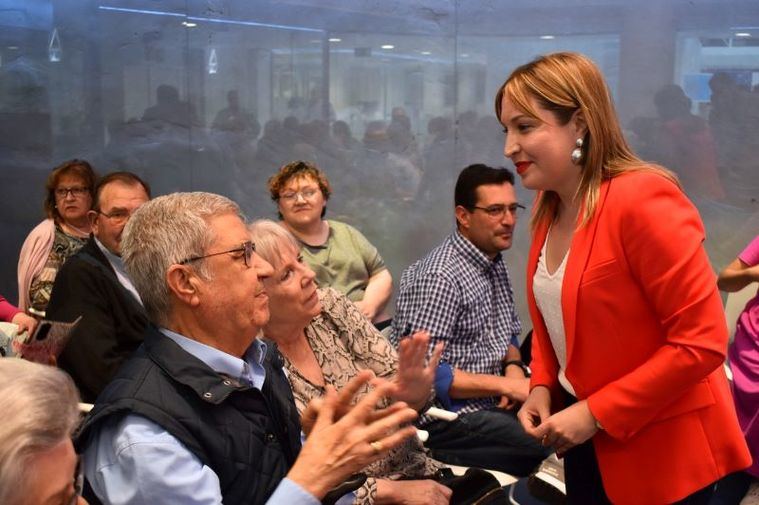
point(464, 299)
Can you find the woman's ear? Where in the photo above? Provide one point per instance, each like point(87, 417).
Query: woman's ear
point(183, 284)
point(579, 123)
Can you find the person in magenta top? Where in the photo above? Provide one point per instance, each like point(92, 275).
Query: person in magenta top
point(11, 314)
point(743, 353)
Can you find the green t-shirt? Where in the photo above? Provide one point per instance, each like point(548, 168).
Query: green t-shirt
point(345, 262)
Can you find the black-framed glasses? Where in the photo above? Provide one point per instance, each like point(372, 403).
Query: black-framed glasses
point(498, 211)
point(247, 248)
point(118, 216)
point(76, 192)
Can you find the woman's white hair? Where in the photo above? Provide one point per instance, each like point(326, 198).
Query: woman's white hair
point(271, 239)
point(166, 231)
point(40, 411)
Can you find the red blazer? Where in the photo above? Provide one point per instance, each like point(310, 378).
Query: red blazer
point(646, 339)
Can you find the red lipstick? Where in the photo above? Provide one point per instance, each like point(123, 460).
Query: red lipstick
point(522, 166)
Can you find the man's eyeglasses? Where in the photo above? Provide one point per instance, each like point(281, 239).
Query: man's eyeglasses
point(291, 196)
point(498, 211)
point(247, 248)
point(76, 192)
point(78, 481)
point(118, 216)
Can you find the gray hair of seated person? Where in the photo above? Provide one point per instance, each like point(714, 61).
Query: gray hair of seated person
point(271, 239)
point(166, 231)
point(40, 412)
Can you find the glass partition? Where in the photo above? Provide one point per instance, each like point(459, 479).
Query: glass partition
point(391, 99)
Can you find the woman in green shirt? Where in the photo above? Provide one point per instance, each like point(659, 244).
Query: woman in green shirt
point(338, 253)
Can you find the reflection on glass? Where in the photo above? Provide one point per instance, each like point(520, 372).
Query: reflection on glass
point(390, 99)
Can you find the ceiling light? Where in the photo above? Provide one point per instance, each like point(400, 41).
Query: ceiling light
point(465, 55)
point(388, 46)
point(426, 53)
point(547, 37)
point(335, 39)
point(189, 24)
point(13, 48)
point(742, 34)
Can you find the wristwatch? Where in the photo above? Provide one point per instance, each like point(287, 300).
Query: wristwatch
point(519, 363)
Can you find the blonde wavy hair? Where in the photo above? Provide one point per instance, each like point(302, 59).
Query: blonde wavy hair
point(565, 83)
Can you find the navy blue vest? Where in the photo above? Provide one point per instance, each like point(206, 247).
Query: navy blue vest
point(249, 438)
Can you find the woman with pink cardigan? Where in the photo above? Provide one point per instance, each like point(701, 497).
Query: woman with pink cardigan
point(67, 203)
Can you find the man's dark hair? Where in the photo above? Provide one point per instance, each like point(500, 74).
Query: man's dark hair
point(474, 176)
point(127, 178)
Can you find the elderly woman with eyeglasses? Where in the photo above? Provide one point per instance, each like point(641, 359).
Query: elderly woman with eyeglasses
point(338, 253)
point(69, 198)
point(325, 340)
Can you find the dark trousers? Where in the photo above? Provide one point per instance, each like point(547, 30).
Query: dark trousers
point(492, 439)
point(583, 478)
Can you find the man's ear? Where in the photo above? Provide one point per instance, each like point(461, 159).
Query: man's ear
point(579, 123)
point(183, 283)
point(92, 216)
point(462, 217)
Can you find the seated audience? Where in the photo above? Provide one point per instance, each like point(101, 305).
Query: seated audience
point(325, 340)
point(743, 356)
point(12, 314)
point(339, 254)
point(202, 412)
point(70, 190)
point(461, 294)
point(94, 285)
point(38, 464)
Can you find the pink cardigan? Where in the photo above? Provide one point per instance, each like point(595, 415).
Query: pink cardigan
point(32, 258)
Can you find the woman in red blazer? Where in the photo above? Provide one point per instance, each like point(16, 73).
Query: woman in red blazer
point(629, 334)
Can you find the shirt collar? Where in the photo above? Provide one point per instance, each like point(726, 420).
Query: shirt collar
point(472, 253)
point(114, 260)
point(118, 267)
point(247, 370)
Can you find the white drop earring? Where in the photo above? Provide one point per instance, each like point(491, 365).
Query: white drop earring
point(576, 155)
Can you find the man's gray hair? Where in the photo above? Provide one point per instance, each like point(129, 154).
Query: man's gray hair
point(39, 412)
point(270, 238)
point(163, 232)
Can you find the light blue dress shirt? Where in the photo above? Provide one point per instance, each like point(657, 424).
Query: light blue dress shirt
point(118, 266)
point(133, 461)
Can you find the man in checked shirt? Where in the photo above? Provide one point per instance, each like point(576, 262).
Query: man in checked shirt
point(461, 293)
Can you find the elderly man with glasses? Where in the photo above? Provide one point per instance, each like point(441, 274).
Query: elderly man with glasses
point(203, 413)
point(94, 285)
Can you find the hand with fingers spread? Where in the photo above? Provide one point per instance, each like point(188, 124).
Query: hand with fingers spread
point(344, 401)
point(567, 428)
point(338, 447)
point(415, 374)
point(535, 410)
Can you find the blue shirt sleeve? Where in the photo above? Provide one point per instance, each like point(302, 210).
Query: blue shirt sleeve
point(443, 381)
point(514, 340)
point(133, 461)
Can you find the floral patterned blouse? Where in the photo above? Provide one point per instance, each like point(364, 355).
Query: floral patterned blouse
point(64, 247)
point(344, 343)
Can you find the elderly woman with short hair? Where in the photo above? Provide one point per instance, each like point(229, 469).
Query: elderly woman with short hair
point(325, 340)
point(37, 459)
